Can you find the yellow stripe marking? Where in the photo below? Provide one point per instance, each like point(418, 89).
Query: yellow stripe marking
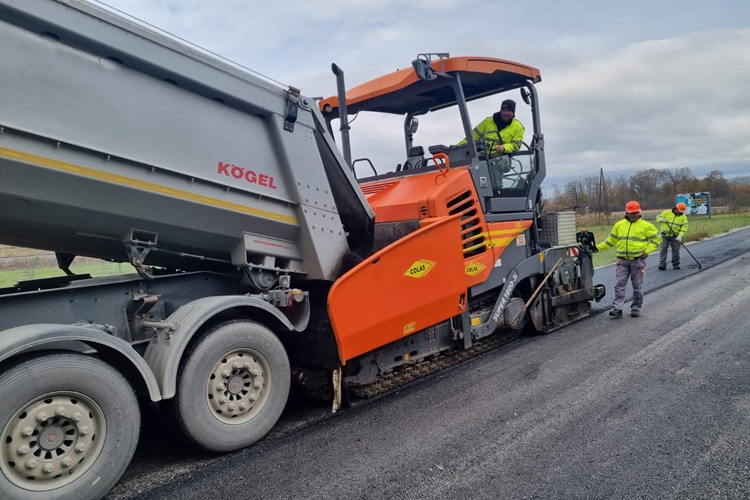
point(146, 186)
point(505, 239)
point(506, 232)
point(494, 243)
point(502, 242)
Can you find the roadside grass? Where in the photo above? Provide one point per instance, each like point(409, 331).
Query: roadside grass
point(10, 278)
point(699, 227)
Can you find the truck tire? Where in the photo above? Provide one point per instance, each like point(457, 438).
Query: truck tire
point(233, 386)
point(69, 425)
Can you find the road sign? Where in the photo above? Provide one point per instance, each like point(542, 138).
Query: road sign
point(697, 203)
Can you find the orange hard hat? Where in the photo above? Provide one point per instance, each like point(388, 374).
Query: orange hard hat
point(681, 207)
point(632, 206)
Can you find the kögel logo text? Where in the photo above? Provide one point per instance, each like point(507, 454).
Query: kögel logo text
point(248, 175)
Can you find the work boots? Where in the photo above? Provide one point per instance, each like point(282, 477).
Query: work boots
point(616, 313)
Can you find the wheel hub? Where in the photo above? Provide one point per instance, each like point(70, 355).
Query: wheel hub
point(237, 386)
point(51, 441)
point(52, 437)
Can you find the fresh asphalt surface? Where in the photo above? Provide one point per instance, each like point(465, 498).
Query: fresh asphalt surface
point(708, 253)
point(649, 407)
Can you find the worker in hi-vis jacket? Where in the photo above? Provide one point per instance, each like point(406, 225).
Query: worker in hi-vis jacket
point(674, 225)
point(635, 238)
point(501, 132)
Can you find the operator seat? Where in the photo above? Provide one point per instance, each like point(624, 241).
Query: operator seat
point(415, 159)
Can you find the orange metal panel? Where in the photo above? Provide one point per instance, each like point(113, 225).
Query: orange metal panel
point(496, 237)
point(404, 77)
point(414, 283)
point(478, 267)
point(503, 234)
point(378, 86)
point(487, 65)
point(427, 196)
point(415, 196)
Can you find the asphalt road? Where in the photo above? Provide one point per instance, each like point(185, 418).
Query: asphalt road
point(649, 407)
point(708, 253)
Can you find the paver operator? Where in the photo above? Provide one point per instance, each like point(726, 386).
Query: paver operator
point(502, 132)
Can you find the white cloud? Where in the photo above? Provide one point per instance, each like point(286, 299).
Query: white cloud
point(671, 103)
point(620, 89)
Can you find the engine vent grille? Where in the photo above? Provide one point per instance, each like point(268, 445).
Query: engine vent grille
point(376, 188)
point(473, 241)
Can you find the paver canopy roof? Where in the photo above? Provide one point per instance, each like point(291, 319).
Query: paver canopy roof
point(403, 92)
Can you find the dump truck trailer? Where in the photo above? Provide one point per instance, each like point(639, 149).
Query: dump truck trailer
point(259, 260)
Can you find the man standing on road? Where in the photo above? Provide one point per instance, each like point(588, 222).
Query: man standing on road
point(674, 226)
point(635, 238)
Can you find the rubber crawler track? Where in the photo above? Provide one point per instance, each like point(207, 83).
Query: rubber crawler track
point(397, 377)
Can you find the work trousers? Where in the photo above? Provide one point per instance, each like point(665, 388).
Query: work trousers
point(666, 242)
point(635, 270)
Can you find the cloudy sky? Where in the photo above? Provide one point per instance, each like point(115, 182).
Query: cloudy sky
point(625, 85)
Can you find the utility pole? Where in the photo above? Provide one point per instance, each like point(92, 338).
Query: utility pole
point(602, 195)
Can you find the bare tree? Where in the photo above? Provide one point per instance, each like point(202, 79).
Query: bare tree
point(653, 188)
point(647, 186)
point(575, 193)
point(679, 179)
point(716, 183)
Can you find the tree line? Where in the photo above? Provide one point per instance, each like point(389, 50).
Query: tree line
point(652, 188)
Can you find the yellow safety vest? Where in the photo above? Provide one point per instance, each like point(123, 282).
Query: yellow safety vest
point(673, 224)
point(632, 238)
point(511, 137)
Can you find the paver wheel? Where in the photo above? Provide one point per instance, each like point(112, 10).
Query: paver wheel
point(69, 425)
point(233, 386)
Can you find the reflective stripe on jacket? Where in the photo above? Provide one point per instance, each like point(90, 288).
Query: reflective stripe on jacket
point(632, 238)
point(672, 224)
point(511, 137)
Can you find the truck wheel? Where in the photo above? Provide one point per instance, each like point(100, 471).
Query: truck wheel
point(70, 426)
point(233, 386)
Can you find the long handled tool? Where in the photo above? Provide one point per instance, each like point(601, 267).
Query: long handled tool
point(533, 295)
point(693, 256)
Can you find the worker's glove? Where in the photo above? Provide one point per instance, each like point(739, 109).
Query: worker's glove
point(644, 255)
point(661, 219)
point(595, 250)
point(679, 239)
